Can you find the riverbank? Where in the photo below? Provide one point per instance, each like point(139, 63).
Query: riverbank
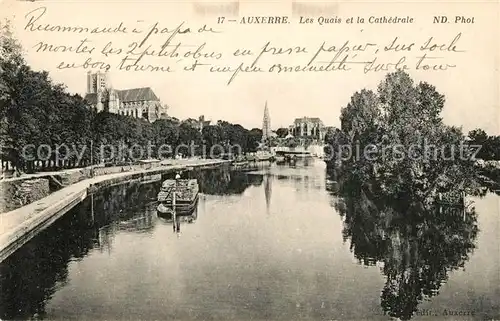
point(20, 191)
point(20, 225)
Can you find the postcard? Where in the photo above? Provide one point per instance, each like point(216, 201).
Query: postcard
point(249, 160)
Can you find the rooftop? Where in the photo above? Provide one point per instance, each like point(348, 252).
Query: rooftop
point(136, 94)
point(308, 119)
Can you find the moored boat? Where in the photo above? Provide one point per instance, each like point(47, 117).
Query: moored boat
point(189, 218)
point(183, 193)
point(303, 155)
point(264, 156)
point(239, 163)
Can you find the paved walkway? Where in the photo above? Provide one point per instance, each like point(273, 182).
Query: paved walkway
point(42, 174)
point(16, 217)
point(169, 162)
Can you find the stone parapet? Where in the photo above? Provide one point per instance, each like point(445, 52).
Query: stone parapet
point(15, 194)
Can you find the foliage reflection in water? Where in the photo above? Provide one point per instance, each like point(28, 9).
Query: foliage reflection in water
point(418, 244)
point(248, 227)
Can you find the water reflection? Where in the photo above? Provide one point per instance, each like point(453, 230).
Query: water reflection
point(225, 183)
point(307, 174)
point(417, 245)
point(30, 276)
point(268, 190)
point(235, 261)
point(176, 220)
point(119, 204)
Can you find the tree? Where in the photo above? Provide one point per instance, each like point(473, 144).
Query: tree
point(191, 122)
point(212, 136)
point(490, 145)
point(282, 132)
point(361, 115)
point(35, 111)
point(478, 135)
point(189, 135)
point(335, 140)
point(253, 139)
point(400, 123)
point(11, 67)
point(166, 133)
point(494, 143)
point(292, 142)
point(239, 141)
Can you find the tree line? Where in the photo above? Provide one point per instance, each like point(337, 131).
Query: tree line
point(374, 225)
point(35, 112)
point(490, 145)
point(404, 148)
point(414, 194)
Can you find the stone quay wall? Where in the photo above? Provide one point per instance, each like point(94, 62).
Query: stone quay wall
point(15, 194)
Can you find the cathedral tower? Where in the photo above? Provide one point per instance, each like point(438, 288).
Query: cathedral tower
point(96, 82)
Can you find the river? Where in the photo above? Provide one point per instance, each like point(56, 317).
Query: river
point(268, 245)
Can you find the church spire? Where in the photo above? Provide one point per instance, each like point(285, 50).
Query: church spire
point(266, 126)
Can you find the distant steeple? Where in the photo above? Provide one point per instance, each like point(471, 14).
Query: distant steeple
point(266, 126)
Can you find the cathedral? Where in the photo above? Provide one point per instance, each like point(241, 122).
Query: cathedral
point(307, 127)
point(136, 102)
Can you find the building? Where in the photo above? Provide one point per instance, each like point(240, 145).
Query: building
point(203, 123)
point(198, 124)
point(135, 102)
point(307, 127)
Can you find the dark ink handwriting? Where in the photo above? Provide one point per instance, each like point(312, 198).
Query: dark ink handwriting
point(80, 48)
point(376, 66)
point(194, 65)
point(278, 51)
point(243, 68)
point(207, 29)
point(109, 50)
point(346, 47)
point(155, 30)
point(423, 64)
point(36, 14)
point(394, 46)
point(88, 64)
point(131, 64)
point(452, 46)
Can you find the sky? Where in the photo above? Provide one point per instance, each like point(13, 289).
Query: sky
point(471, 87)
